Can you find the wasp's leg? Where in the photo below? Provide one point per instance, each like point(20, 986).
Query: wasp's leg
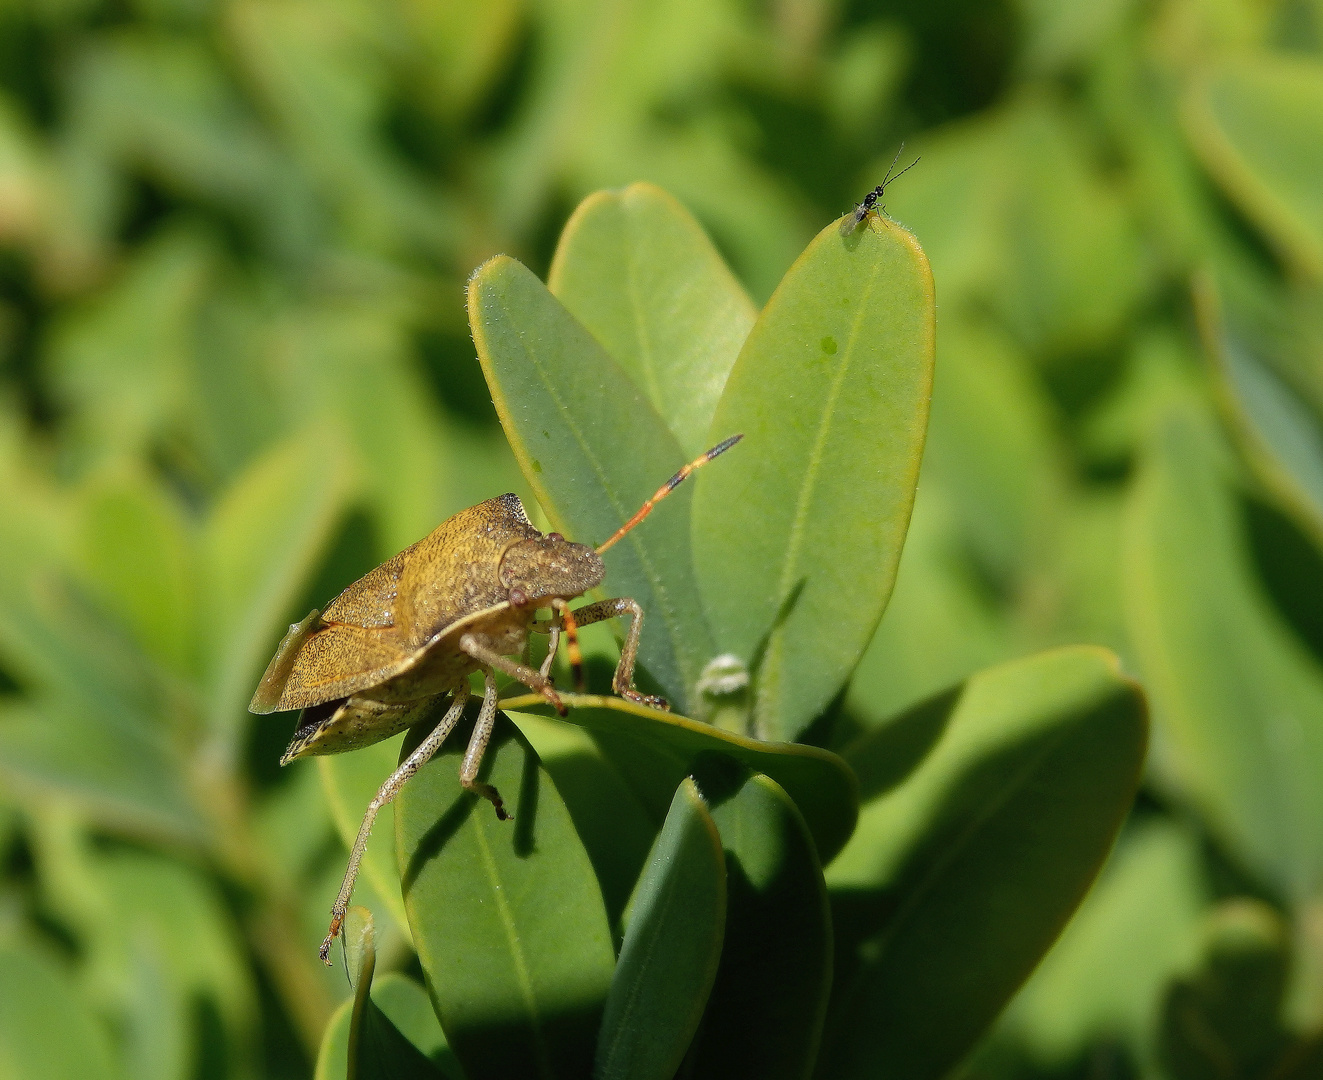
point(528, 676)
point(623, 683)
point(482, 733)
point(387, 792)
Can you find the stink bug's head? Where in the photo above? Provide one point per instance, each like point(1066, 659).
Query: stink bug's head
point(546, 567)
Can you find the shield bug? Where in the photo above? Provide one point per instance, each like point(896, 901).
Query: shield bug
point(387, 651)
point(863, 209)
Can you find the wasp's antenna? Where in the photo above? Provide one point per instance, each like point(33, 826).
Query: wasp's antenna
point(871, 199)
point(667, 488)
point(889, 179)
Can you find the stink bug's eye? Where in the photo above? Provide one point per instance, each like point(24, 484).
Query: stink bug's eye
point(555, 536)
point(518, 598)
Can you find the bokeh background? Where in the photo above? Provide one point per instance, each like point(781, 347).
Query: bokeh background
point(235, 372)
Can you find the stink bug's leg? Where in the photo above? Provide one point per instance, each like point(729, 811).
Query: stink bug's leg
point(525, 674)
point(553, 628)
point(388, 791)
point(482, 733)
point(623, 683)
point(571, 641)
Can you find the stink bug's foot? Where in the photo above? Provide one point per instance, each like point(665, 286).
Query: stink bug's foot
point(493, 796)
point(649, 700)
point(337, 920)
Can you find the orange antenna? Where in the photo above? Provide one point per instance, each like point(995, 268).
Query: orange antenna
point(667, 488)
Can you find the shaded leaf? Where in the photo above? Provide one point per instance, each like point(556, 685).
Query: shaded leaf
point(672, 946)
point(616, 828)
point(369, 1022)
point(798, 532)
point(654, 751)
point(992, 808)
point(764, 1016)
point(506, 915)
point(1106, 976)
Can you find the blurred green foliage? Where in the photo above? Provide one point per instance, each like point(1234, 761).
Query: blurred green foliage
point(236, 372)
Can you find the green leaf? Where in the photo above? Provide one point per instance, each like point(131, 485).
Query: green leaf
point(764, 1016)
point(654, 751)
point(260, 546)
point(1239, 696)
point(636, 269)
point(350, 781)
point(991, 809)
point(672, 946)
point(1257, 123)
point(47, 1032)
point(593, 449)
point(506, 915)
point(797, 533)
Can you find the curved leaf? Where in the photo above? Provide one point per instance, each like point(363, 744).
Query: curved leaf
point(1239, 696)
point(669, 957)
point(639, 272)
point(1257, 123)
point(656, 750)
point(506, 915)
point(1255, 343)
point(797, 536)
point(993, 808)
point(764, 1016)
point(371, 1021)
point(593, 449)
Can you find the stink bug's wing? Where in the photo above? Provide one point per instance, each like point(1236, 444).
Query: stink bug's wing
point(267, 696)
point(346, 648)
point(370, 601)
point(339, 660)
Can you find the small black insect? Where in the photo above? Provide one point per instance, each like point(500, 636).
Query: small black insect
point(870, 200)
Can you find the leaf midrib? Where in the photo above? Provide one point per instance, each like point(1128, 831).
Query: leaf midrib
point(770, 677)
point(522, 976)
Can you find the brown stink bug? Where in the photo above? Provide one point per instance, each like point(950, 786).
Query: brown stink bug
point(460, 600)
